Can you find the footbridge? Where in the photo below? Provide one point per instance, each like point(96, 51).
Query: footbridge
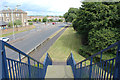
point(28, 67)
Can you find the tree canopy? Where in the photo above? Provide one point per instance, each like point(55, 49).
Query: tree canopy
point(97, 22)
point(71, 14)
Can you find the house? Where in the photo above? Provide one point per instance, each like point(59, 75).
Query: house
point(17, 14)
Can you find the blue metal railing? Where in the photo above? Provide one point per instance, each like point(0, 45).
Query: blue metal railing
point(109, 69)
point(10, 68)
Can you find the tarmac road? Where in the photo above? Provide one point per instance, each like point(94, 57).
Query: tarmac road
point(30, 39)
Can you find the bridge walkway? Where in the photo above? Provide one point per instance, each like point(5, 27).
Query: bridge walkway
point(58, 70)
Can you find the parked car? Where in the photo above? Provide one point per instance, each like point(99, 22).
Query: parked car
point(5, 39)
point(53, 23)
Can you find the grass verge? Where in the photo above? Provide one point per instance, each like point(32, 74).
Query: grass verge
point(68, 42)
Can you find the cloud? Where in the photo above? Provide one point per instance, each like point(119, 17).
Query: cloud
point(46, 7)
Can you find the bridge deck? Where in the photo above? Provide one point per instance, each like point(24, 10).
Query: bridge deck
point(59, 71)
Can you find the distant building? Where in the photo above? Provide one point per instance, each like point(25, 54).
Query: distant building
point(35, 17)
point(18, 14)
point(55, 18)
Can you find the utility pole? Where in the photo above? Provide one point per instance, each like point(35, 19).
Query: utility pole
point(13, 20)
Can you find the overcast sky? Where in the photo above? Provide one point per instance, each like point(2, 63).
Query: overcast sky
point(42, 7)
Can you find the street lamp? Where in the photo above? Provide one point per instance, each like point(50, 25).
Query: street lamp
point(13, 20)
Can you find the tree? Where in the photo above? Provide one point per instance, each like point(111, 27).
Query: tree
point(95, 15)
point(17, 22)
point(60, 20)
point(51, 20)
point(29, 20)
point(30, 23)
point(101, 39)
point(45, 19)
point(10, 24)
point(71, 14)
point(39, 20)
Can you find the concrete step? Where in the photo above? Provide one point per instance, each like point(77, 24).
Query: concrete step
point(58, 63)
point(59, 71)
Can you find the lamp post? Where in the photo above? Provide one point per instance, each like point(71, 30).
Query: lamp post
point(13, 20)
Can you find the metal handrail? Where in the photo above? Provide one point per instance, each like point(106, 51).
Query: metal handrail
point(117, 43)
point(20, 52)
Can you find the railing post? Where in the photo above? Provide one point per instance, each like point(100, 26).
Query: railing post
point(19, 57)
point(38, 69)
point(3, 62)
point(101, 57)
point(29, 67)
point(90, 74)
point(117, 64)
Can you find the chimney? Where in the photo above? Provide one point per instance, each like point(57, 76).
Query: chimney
point(16, 9)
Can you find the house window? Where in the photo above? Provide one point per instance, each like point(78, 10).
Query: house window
point(1, 15)
point(7, 14)
point(17, 14)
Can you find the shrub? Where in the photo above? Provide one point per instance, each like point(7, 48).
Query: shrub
point(30, 23)
point(29, 20)
point(101, 39)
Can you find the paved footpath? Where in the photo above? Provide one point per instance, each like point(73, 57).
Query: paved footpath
point(40, 51)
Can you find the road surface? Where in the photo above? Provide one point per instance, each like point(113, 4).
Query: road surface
point(30, 39)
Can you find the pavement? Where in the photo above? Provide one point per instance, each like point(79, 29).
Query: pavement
point(29, 39)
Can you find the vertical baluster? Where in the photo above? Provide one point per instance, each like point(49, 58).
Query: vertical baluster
point(96, 71)
point(34, 71)
point(90, 69)
point(19, 57)
point(93, 72)
point(117, 64)
point(108, 70)
point(18, 70)
point(1, 67)
point(112, 69)
point(29, 67)
point(20, 65)
point(10, 69)
point(100, 65)
point(81, 70)
point(13, 70)
point(105, 70)
point(100, 69)
point(38, 70)
point(21, 69)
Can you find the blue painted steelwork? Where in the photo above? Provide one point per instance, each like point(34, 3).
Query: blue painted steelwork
point(12, 69)
point(109, 69)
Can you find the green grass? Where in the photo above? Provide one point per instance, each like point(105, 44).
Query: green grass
point(8, 34)
point(68, 42)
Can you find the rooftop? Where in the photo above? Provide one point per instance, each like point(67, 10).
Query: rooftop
point(10, 10)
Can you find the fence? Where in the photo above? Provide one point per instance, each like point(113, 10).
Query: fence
point(107, 69)
point(10, 68)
